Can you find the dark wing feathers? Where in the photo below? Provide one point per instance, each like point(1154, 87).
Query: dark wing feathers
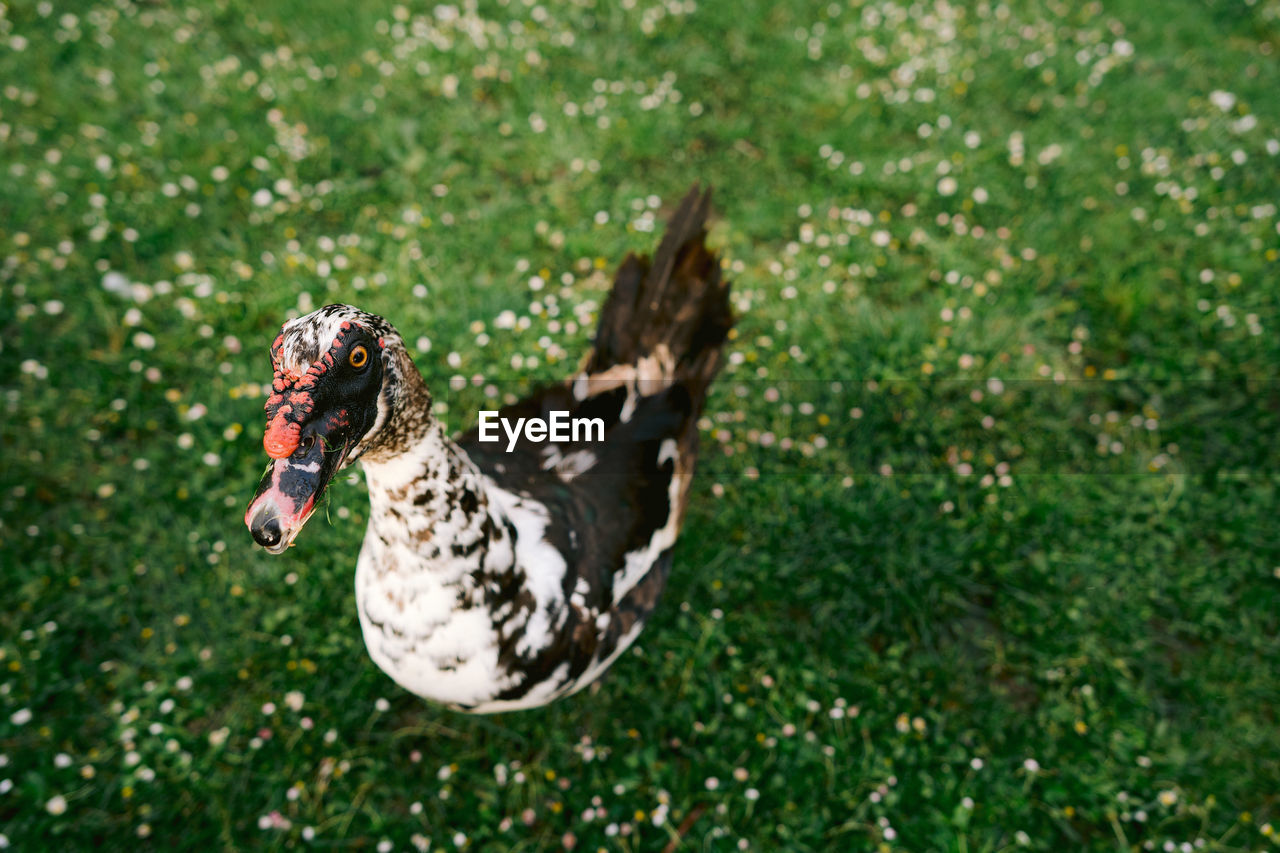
point(679, 300)
point(598, 516)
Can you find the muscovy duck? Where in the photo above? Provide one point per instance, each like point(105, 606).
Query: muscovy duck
point(501, 575)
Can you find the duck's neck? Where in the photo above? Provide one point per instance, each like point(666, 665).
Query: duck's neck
point(429, 497)
point(429, 507)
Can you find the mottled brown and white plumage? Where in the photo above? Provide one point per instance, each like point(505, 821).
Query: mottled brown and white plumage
point(493, 580)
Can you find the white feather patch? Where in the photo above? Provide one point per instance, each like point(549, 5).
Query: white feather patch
point(543, 565)
point(638, 562)
point(568, 466)
point(401, 647)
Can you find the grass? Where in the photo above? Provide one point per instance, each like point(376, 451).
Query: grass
point(982, 553)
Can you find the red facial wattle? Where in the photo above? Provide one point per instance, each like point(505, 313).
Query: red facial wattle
point(292, 403)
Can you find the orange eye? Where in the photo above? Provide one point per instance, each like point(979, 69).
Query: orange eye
point(359, 357)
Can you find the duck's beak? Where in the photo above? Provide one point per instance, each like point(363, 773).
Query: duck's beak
point(290, 490)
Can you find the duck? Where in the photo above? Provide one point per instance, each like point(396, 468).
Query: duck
point(502, 575)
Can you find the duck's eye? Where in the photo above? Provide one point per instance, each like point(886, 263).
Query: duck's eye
point(359, 357)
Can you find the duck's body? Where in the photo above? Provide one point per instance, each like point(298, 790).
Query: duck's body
point(492, 580)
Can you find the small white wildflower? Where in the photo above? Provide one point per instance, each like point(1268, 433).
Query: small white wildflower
point(117, 283)
point(1222, 100)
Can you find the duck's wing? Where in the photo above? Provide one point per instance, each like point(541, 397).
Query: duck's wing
point(607, 499)
point(613, 502)
point(612, 508)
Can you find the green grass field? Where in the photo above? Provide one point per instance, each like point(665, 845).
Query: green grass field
point(983, 553)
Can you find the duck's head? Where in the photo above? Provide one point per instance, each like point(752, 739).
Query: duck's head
point(337, 373)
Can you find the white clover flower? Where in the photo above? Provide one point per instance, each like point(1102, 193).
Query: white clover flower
point(1222, 100)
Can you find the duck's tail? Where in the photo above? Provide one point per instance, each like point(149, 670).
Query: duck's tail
point(668, 317)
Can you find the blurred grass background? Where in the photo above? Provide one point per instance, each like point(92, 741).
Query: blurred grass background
point(983, 551)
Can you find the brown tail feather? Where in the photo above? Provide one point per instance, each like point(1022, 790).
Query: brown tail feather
point(679, 300)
